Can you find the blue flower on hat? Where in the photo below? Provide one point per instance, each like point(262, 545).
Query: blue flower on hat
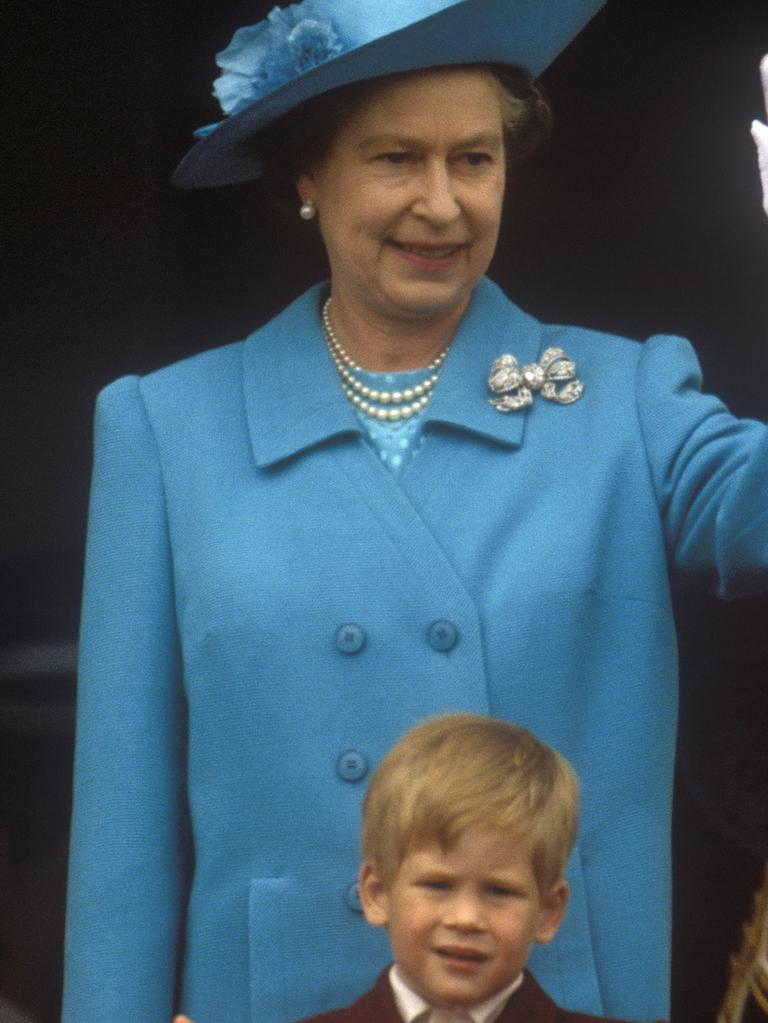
point(262, 57)
point(313, 42)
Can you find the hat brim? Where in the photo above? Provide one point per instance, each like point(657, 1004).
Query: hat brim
point(524, 33)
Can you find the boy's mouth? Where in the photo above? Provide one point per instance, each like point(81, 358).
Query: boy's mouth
point(461, 954)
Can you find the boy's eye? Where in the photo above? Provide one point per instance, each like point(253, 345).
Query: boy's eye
point(397, 158)
point(435, 884)
point(500, 891)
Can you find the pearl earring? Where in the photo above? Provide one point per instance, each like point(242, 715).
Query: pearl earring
point(308, 210)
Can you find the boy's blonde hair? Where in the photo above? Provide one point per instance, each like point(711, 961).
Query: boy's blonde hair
point(458, 770)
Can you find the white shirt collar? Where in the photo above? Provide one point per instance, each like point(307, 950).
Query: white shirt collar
point(410, 1005)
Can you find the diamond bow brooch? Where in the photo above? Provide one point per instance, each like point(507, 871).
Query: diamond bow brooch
point(517, 386)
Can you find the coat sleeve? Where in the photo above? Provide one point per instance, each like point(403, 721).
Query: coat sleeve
point(710, 472)
point(125, 900)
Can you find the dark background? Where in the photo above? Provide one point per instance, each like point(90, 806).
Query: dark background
point(641, 215)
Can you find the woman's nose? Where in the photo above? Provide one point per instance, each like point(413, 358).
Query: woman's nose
point(437, 199)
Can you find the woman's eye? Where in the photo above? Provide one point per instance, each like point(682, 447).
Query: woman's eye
point(477, 159)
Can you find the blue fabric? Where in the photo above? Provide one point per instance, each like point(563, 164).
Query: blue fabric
point(396, 443)
point(239, 518)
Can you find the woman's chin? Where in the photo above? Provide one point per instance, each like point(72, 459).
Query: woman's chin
point(420, 299)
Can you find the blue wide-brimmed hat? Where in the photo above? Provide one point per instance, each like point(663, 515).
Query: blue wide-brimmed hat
point(305, 49)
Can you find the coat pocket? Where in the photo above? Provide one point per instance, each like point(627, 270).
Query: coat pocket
point(309, 949)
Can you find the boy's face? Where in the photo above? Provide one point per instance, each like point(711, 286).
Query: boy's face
point(462, 922)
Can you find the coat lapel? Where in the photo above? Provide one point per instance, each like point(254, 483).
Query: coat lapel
point(376, 1005)
point(492, 326)
point(529, 1004)
point(460, 419)
point(291, 390)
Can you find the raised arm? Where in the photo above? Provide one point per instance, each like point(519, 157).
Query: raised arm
point(760, 135)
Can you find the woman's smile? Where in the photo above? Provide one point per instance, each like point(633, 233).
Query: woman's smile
point(429, 257)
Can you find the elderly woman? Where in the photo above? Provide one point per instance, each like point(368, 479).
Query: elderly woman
point(403, 495)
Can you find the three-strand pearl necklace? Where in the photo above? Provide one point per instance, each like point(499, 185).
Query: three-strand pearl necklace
point(383, 405)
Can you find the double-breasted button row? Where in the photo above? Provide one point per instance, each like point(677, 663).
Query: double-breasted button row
point(350, 638)
point(352, 765)
point(352, 898)
point(441, 635)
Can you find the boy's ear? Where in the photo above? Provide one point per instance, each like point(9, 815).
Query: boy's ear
point(553, 906)
point(374, 894)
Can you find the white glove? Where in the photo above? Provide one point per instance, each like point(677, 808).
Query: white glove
point(760, 135)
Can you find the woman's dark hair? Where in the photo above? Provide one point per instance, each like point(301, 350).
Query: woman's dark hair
point(301, 139)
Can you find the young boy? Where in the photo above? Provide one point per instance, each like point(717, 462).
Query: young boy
point(467, 824)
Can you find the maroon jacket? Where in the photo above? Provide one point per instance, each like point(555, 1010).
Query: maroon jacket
point(529, 1004)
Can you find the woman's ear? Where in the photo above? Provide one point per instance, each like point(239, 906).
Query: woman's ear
point(374, 894)
point(553, 906)
point(305, 186)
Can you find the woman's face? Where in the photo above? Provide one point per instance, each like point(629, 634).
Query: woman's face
point(409, 196)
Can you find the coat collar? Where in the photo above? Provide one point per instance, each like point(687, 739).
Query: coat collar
point(529, 1004)
point(293, 399)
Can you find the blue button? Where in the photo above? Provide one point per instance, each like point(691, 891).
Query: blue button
point(442, 635)
point(352, 898)
point(350, 638)
point(352, 765)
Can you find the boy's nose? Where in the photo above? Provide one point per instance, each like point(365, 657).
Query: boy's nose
point(464, 913)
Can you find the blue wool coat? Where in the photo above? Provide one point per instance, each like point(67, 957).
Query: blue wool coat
point(267, 609)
